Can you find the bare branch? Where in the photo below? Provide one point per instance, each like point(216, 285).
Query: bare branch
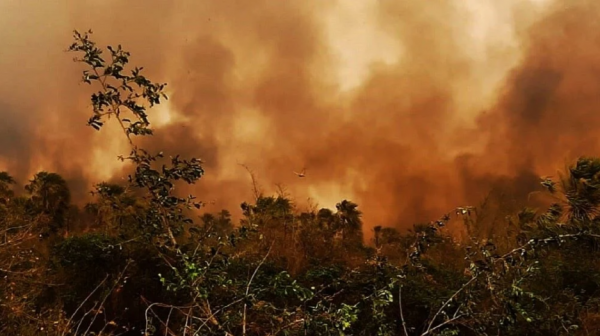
point(255, 186)
point(429, 327)
point(82, 303)
point(401, 313)
point(107, 295)
point(248, 288)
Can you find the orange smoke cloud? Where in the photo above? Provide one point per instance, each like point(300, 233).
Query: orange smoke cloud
point(381, 101)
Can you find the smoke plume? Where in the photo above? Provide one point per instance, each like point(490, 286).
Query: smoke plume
point(408, 108)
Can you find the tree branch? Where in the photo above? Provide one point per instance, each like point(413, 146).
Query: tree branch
point(401, 313)
point(248, 288)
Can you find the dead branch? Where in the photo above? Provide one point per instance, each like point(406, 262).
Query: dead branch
point(248, 288)
point(255, 186)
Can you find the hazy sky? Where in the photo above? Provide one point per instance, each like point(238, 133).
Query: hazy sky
point(409, 108)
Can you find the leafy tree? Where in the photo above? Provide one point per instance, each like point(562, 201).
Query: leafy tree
point(50, 195)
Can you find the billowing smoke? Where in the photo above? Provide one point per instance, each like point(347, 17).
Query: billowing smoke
point(409, 108)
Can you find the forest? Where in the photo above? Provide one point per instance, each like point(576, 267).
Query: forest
point(139, 260)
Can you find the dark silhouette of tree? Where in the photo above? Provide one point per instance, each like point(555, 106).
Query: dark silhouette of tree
point(582, 189)
point(350, 220)
point(117, 211)
point(50, 195)
point(6, 191)
point(219, 224)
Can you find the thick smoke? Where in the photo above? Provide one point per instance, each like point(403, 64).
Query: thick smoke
point(409, 108)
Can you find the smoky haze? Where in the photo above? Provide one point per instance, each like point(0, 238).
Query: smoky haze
point(409, 108)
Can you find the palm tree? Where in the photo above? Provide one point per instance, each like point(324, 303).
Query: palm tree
point(579, 189)
point(326, 219)
point(50, 195)
point(350, 218)
point(582, 188)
